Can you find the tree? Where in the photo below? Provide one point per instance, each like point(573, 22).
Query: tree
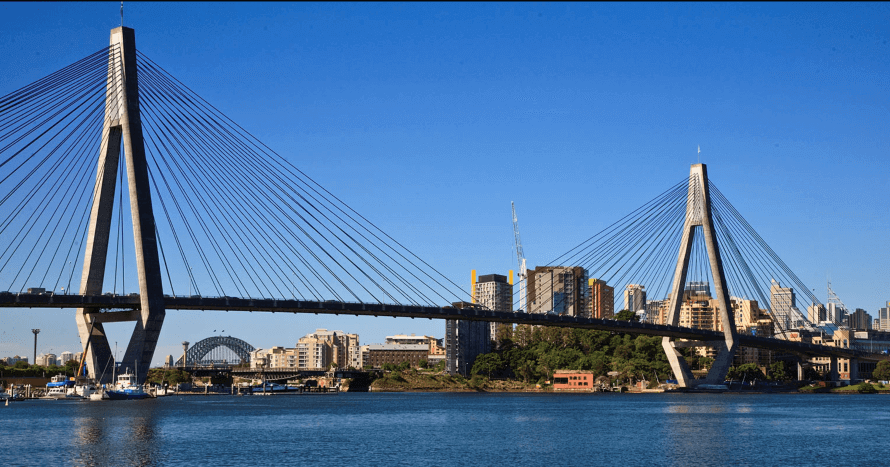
point(487, 364)
point(626, 315)
point(882, 371)
point(423, 363)
point(21, 364)
point(777, 372)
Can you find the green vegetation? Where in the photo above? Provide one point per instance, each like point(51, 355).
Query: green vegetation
point(23, 369)
point(158, 376)
point(862, 388)
point(747, 372)
point(531, 354)
point(882, 371)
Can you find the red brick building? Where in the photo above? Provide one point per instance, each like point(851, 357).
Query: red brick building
point(573, 380)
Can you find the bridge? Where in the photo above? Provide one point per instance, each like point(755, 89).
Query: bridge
point(238, 219)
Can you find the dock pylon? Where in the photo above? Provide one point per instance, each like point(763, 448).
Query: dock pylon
point(122, 123)
point(698, 214)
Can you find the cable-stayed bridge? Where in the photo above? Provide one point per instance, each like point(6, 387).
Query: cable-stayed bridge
point(219, 221)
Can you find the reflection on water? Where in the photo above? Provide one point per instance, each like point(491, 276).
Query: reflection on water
point(447, 429)
point(116, 433)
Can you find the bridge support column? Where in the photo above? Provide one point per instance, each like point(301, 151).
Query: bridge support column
point(122, 124)
point(854, 370)
point(800, 371)
point(698, 214)
point(832, 369)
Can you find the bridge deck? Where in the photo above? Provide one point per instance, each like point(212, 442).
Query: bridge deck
point(123, 308)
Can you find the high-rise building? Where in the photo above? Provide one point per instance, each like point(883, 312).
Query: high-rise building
point(816, 313)
point(330, 347)
point(559, 290)
point(781, 304)
point(465, 340)
point(65, 357)
point(635, 297)
point(859, 320)
point(884, 318)
point(601, 298)
point(656, 311)
point(836, 313)
point(314, 351)
point(494, 292)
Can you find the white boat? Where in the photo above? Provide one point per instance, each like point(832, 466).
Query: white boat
point(60, 392)
point(126, 388)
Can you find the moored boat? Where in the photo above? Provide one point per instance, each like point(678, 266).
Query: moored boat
point(126, 388)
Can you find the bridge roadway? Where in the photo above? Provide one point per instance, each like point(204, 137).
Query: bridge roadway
point(115, 308)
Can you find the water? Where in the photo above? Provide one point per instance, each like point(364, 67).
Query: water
point(414, 429)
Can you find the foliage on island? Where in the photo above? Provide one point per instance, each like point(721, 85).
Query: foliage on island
point(532, 353)
point(173, 376)
point(22, 369)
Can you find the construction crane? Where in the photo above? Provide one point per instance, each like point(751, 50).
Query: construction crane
point(520, 257)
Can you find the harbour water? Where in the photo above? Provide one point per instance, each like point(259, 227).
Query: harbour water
point(440, 429)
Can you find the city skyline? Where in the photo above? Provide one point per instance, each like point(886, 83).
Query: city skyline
point(390, 126)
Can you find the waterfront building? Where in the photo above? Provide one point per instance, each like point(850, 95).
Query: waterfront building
point(859, 320)
point(314, 351)
point(168, 362)
point(573, 380)
point(601, 298)
point(324, 348)
point(276, 357)
point(494, 292)
point(377, 355)
point(436, 352)
point(781, 303)
point(635, 297)
point(560, 290)
point(464, 341)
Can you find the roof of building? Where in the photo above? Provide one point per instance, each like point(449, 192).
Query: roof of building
point(404, 347)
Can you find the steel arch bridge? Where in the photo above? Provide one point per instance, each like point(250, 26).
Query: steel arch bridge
point(208, 351)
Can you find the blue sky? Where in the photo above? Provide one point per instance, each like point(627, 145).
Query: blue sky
point(430, 118)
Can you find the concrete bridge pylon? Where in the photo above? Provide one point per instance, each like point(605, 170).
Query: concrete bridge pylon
point(698, 214)
point(122, 124)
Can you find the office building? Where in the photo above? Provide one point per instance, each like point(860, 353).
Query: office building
point(464, 341)
point(558, 290)
point(635, 297)
point(601, 299)
point(494, 292)
point(884, 318)
point(377, 355)
point(816, 313)
point(836, 313)
point(859, 320)
point(781, 304)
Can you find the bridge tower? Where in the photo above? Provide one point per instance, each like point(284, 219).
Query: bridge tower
point(698, 214)
point(122, 123)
